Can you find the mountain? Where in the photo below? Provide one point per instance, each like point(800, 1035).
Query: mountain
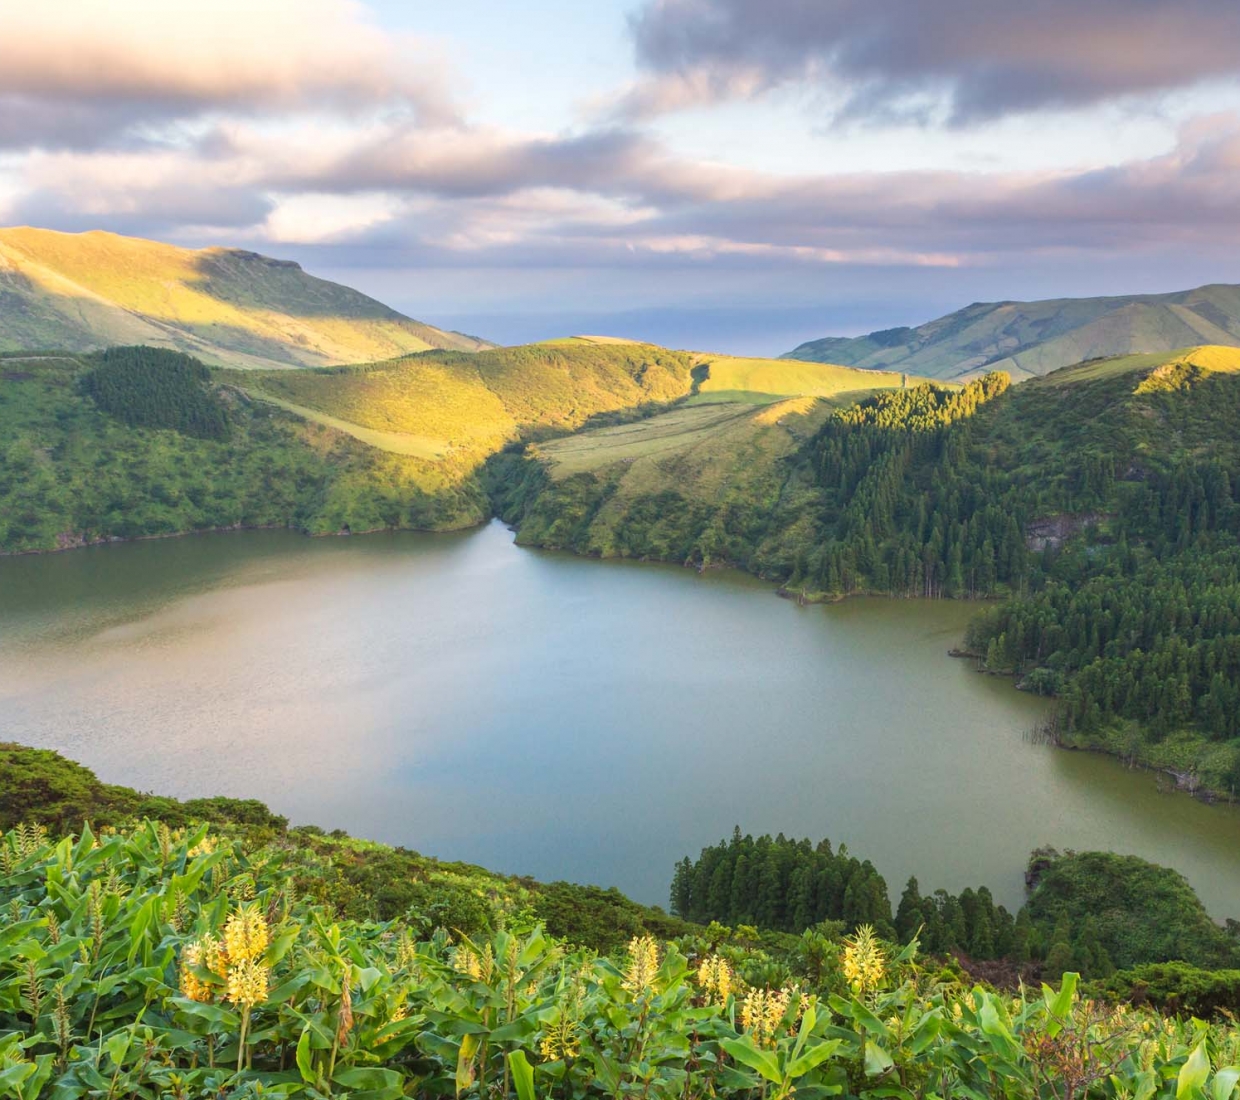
point(83, 291)
point(1034, 338)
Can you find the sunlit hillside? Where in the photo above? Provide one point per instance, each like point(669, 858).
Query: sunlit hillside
point(80, 291)
point(1033, 338)
point(731, 378)
point(462, 404)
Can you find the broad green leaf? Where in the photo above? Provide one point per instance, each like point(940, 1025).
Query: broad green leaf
point(1224, 1083)
point(368, 1077)
point(877, 1060)
point(744, 1051)
point(812, 1058)
point(1193, 1073)
point(305, 1058)
point(522, 1075)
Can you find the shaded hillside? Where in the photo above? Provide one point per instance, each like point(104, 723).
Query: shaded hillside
point(83, 291)
point(1033, 338)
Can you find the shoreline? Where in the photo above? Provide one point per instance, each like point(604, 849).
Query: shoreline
point(119, 540)
point(1206, 795)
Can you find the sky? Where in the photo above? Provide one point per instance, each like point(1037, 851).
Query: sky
point(729, 175)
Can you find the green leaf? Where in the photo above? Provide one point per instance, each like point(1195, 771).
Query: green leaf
point(305, 1058)
point(744, 1051)
point(1193, 1073)
point(1224, 1083)
point(1059, 1005)
point(522, 1075)
point(147, 915)
point(812, 1058)
point(877, 1060)
point(369, 1077)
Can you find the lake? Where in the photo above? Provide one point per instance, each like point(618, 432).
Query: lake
point(560, 717)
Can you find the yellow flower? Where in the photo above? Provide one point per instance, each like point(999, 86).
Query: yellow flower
point(247, 982)
point(214, 955)
point(560, 1040)
point(191, 986)
point(715, 978)
point(465, 961)
point(864, 963)
point(763, 1011)
point(203, 848)
point(246, 935)
point(643, 964)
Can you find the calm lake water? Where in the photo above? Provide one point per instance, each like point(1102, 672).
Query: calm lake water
point(560, 717)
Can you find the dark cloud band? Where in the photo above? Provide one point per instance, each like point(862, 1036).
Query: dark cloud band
point(967, 59)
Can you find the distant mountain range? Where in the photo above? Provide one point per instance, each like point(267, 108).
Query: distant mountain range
point(1034, 338)
point(81, 291)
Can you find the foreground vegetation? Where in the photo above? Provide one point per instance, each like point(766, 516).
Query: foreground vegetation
point(240, 958)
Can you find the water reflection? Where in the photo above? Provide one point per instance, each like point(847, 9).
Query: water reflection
point(544, 714)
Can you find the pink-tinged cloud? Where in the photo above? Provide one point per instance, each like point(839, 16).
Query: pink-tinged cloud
point(78, 71)
point(620, 198)
point(965, 59)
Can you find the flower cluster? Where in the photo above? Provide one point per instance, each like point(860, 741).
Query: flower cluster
point(477, 967)
point(643, 964)
point(864, 961)
point(763, 1011)
point(716, 979)
point(561, 1038)
point(203, 848)
point(235, 960)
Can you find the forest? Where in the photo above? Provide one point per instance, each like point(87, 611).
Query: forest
point(1089, 912)
point(94, 450)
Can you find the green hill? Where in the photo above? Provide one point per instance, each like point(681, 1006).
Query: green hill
point(687, 484)
point(84, 291)
point(1033, 338)
point(470, 405)
point(136, 442)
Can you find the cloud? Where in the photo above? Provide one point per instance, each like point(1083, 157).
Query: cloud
point(459, 195)
point(959, 61)
point(76, 72)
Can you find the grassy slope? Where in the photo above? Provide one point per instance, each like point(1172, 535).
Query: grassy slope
point(760, 380)
point(1033, 338)
point(691, 483)
point(471, 405)
point(70, 473)
point(394, 444)
point(90, 290)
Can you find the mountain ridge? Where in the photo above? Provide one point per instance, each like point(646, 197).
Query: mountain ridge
point(1029, 339)
point(227, 306)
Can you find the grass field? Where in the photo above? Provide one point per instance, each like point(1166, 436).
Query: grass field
point(755, 381)
point(470, 405)
point(1211, 358)
point(399, 443)
point(655, 437)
